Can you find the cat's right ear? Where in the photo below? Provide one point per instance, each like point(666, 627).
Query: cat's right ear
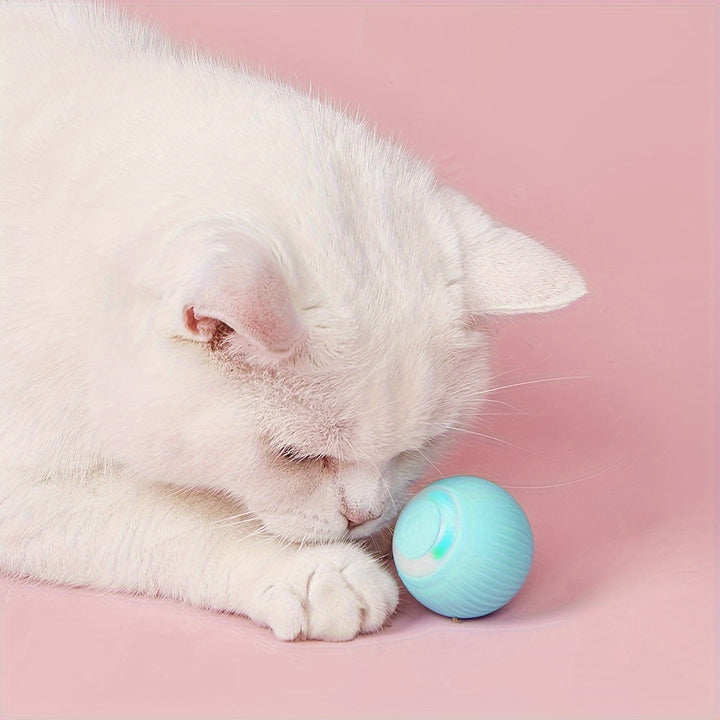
point(508, 272)
point(240, 286)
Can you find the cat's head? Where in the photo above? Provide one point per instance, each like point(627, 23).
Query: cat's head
point(318, 329)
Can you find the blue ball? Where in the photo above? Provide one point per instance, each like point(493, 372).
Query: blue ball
point(463, 547)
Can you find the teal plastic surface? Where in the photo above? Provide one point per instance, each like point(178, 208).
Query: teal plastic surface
point(463, 547)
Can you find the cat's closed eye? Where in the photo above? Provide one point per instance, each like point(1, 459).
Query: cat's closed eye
point(297, 456)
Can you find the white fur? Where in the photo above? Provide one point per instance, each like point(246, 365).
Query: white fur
point(231, 320)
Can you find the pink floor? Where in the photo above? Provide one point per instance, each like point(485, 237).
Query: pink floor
point(592, 127)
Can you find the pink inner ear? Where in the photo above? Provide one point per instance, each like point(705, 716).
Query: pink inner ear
point(198, 325)
point(253, 300)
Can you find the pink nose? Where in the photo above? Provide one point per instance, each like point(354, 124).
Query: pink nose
point(356, 516)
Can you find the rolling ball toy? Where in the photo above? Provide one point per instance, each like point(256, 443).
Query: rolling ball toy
point(463, 547)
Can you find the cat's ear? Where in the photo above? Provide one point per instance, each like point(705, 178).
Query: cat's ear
point(508, 272)
point(240, 285)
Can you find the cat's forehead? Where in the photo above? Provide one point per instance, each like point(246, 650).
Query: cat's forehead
point(392, 256)
point(351, 201)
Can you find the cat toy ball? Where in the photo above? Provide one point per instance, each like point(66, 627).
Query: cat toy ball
point(463, 547)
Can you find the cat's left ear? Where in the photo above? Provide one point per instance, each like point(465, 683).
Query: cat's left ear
point(508, 272)
point(238, 283)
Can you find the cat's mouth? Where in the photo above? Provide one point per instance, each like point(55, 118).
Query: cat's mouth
point(370, 527)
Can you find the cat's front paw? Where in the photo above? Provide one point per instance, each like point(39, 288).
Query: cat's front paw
point(329, 592)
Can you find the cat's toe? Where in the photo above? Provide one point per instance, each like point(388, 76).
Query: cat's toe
point(335, 610)
point(285, 613)
point(348, 593)
point(377, 593)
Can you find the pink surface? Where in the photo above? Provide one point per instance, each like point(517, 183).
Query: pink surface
point(592, 127)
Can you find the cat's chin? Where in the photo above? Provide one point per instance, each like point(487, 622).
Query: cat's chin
point(302, 531)
point(325, 531)
point(369, 529)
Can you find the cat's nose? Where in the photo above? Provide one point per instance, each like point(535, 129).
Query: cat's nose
point(358, 516)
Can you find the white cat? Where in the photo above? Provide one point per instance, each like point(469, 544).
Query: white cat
point(234, 326)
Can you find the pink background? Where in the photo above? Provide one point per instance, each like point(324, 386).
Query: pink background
point(593, 128)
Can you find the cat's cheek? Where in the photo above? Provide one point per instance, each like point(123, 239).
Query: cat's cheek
point(302, 527)
point(293, 503)
point(298, 513)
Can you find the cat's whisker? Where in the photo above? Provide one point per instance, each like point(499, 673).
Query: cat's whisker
point(236, 523)
point(430, 462)
point(179, 491)
point(245, 516)
point(537, 382)
point(216, 524)
point(496, 414)
point(604, 471)
point(282, 544)
point(254, 533)
point(493, 438)
point(303, 541)
point(494, 376)
point(349, 446)
point(495, 401)
point(238, 516)
point(387, 486)
point(463, 429)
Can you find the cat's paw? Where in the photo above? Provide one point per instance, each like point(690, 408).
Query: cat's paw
point(329, 592)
